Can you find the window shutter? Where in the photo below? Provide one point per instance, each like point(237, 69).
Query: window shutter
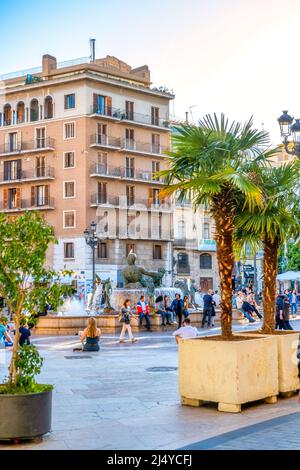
point(108, 105)
point(19, 140)
point(5, 198)
point(47, 194)
point(19, 169)
point(18, 197)
point(150, 196)
point(32, 202)
point(95, 103)
point(6, 171)
point(66, 101)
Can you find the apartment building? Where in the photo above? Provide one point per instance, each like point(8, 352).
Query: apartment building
point(194, 247)
point(81, 142)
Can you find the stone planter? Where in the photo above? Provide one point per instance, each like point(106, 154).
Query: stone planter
point(68, 325)
point(287, 344)
point(228, 372)
point(25, 416)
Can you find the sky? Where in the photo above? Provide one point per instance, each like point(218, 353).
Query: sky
point(239, 57)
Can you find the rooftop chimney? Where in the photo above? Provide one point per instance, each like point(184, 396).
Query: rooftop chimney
point(49, 64)
point(92, 50)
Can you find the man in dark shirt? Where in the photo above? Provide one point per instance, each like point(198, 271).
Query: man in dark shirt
point(207, 308)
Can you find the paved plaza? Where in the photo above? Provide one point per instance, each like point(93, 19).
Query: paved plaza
point(122, 398)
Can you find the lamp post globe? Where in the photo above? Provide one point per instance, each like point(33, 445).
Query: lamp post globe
point(289, 127)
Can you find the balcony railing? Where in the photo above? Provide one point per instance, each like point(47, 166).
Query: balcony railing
point(136, 204)
point(143, 147)
point(124, 172)
point(108, 111)
point(121, 114)
point(30, 174)
point(103, 140)
point(36, 144)
point(144, 119)
point(22, 204)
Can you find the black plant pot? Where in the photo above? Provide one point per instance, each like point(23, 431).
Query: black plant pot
point(25, 416)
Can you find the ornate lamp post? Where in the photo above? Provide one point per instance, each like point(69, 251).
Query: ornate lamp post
point(287, 127)
point(91, 240)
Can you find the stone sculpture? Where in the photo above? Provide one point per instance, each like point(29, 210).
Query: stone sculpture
point(133, 276)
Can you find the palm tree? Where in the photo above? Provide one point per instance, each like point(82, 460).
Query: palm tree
point(211, 164)
point(271, 223)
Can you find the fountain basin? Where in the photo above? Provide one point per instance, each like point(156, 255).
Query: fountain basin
point(119, 296)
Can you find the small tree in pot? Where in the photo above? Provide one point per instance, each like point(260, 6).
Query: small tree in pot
point(27, 286)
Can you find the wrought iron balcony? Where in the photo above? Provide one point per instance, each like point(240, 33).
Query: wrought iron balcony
point(135, 204)
point(110, 171)
point(47, 143)
point(102, 140)
point(32, 174)
point(143, 147)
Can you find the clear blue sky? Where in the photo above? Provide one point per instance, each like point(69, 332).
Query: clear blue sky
point(217, 55)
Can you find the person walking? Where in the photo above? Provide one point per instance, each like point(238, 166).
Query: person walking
point(177, 307)
point(126, 314)
point(207, 308)
point(142, 309)
point(280, 306)
point(186, 304)
point(293, 299)
point(286, 314)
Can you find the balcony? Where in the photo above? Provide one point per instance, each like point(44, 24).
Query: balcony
point(144, 120)
point(136, 204)
point(183, 204)
point(26, 204)
point(106, 112)
point(33, 174)
point(104, 141)
point(36, 145)
point(132, 146)
point(117, 172)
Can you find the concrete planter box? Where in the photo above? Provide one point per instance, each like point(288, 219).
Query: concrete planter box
point(287, 344)
point(228, 372)
point(25, 416)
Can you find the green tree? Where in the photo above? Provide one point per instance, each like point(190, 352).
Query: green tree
point(214, 164)
point(25, 282)
point(271, 224)
point(293, 257)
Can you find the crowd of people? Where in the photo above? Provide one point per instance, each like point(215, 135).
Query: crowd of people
point(7, 333)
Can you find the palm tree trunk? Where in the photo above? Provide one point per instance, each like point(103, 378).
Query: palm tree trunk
point(225, 257)
point(269, 292)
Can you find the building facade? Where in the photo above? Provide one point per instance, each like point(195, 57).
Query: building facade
point(80, 143)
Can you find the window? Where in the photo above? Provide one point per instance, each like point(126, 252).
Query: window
point(205, 261)
point(69, 219)
point(102, 104)
point(40, 133)
point(157, 253)
point(40, 166)
point(129, 169)
point(102, 134)
point(14, 198)
point(70, 101)
point(154, 197)
point(102, 249)
point(129, 110)
point(130, 247)
point(206, 231)
point(181, 229)
point(69, 189)
point(13, 142)
point(48, 106)
point(155, 169)
point(155, 143)
point(154, 116)
point(13, 170)
point(69, 160)
point(34, 110)
point(102, 193)
point(20, 112)
point(69, 130)
point(102, 166)
point(7, 115)
point(69, 250)
point(40, 195)
point(129, 139)
point(183, 263)
point(130, 195)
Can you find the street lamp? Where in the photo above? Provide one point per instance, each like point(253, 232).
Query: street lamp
point(287, 127)
point(91, 240)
